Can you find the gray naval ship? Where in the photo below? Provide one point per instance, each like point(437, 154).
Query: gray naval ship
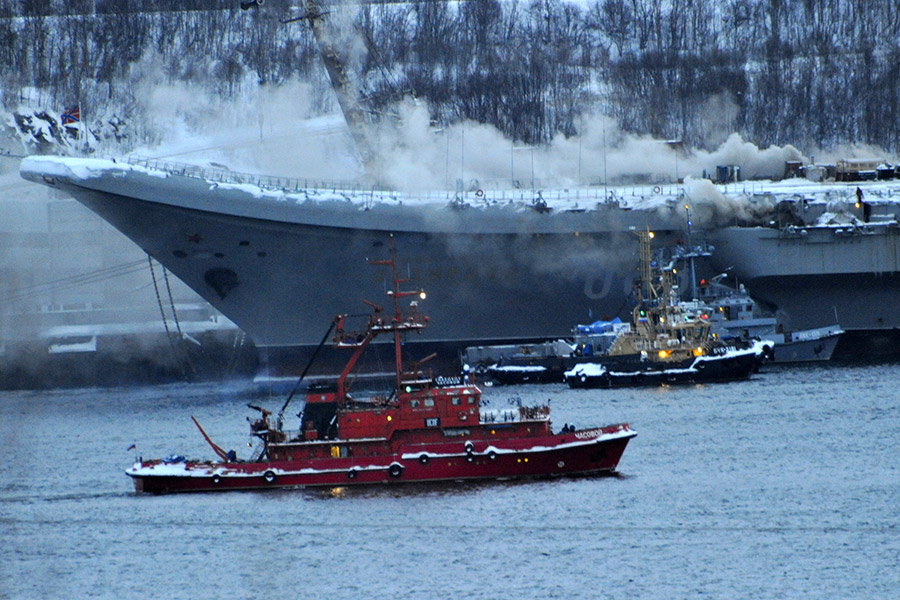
point(281, 257)
point(829, 254)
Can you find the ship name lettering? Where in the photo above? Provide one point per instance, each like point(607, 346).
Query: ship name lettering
point(586, 435)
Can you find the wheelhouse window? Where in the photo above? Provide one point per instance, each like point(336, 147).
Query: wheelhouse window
point(429, 402)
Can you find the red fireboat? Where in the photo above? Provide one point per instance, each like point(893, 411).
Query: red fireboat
point(427, 430)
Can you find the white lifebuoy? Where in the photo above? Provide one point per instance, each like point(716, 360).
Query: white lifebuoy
point(656, 189)
point(479, 194)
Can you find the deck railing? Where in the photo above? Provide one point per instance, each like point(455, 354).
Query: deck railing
point(477, 192)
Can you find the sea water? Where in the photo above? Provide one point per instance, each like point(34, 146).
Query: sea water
point(783, 486)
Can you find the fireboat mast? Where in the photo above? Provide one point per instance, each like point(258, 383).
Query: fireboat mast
point(401, 323)
point(398, 325)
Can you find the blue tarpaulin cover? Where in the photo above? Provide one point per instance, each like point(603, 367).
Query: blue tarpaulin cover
point(599, 326)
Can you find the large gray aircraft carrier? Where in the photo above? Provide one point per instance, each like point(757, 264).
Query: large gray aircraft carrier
point(281, 257)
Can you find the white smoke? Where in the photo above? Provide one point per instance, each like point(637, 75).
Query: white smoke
point(755, 163)
point(268, 129)
point(416, 156)
point(709, 207)
point(295, 129)
point(847, 151)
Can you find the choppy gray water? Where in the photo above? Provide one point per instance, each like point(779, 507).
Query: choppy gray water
point(785, 486)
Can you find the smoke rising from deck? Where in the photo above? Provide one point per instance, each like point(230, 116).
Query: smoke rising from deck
point(295, 129)
point(415, 156)
point(710, 208)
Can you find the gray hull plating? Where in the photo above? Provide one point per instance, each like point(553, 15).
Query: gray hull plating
point(806, 351)
point(814, 276)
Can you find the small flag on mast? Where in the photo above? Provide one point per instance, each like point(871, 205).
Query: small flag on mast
point(71, 115)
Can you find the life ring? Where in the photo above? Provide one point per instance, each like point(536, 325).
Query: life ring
point(351, 473)
point(269, 476)
point(216, 479)
point(424, 459)
point(479, 194)
point(463, 416)
point(492, 455)
point(656, 189)
point(470, 447)
point(395, 470)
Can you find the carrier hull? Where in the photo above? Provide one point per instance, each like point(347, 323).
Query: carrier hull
point(503, 267)
point(277, 267)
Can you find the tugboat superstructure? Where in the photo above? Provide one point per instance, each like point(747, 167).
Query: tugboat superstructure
point(669, 341)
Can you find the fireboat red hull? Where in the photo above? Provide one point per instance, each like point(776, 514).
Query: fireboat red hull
point(573, 453)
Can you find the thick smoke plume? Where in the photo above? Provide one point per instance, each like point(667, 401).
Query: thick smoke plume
point(710, 208)
point(278, 130)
